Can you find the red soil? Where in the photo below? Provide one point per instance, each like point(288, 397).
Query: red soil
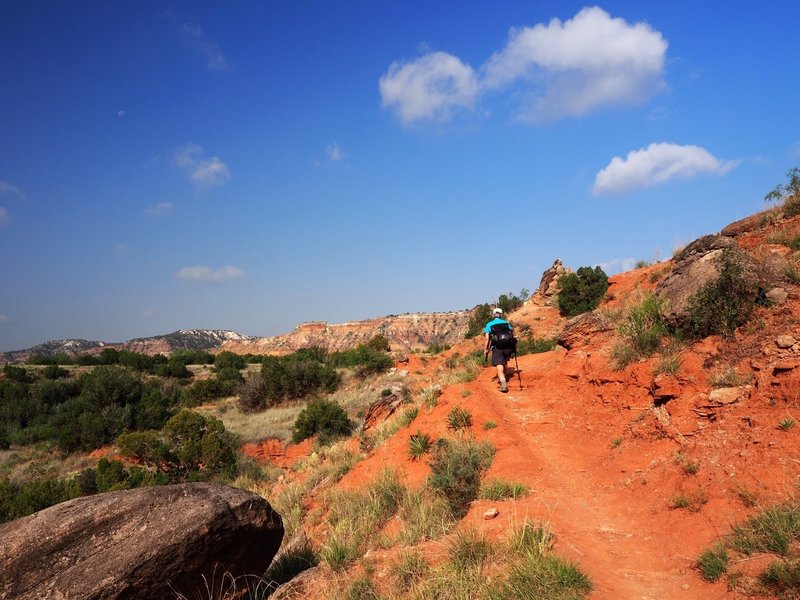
point(601, 459)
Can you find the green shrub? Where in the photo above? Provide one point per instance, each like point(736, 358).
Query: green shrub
point(111, 386)
point(482, 313)
point(54, 372)
point(788, 194)
point(229, 360)
point(542, 576)
point(322, 417)
point(532, 345)
point(19, 374)
point(468, 548)
point(296, 376)
point(581, 291)
point(456, 469)
point(641, 330)
point(721, 306)
point(418, 445)
point(458, 418)
point(253, 395)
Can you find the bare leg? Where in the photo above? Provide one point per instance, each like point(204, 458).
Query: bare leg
point(501, 375)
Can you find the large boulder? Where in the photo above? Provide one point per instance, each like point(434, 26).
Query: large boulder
point(141, 544)
point(581, 330)
point(697, 265)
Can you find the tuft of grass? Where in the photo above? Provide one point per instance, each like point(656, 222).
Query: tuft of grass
point(641, 331)
point(728, 377)
point(408, 415)
point(489, 425)
point(668, 365)
point(713, 563)
point(456, 469)
point(409, 571)
point(692, 502)
point(288, 564)
point(419, 444)
point(542, 576)
point(458, 418)
point(361, 588)
point(468, 548)
point(425, 515)
point(748, 498)
point(497, 489)
point(770, 531)
point(783, 577)
point(786, 424)
point(616, 442)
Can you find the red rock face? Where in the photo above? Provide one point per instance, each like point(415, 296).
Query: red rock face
point(404, 332)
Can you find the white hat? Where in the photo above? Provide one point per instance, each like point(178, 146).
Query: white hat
point(497, 311)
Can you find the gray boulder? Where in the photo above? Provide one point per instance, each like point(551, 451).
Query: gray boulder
point(695, 266)
point(141, 544)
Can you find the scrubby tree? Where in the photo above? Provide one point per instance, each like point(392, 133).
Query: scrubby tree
point(581, 291)
point(324, 418)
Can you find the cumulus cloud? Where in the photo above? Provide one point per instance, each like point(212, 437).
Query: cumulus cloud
point(159, 210)
point(334, 152)
point(195, 39)
point(562, 69)
point(205, 171)
point(429, 88)
point(4, 218)
point(658, 163)
point(210, 275)
point(586, 62)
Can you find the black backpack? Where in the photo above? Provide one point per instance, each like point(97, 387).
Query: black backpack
point(501, 337)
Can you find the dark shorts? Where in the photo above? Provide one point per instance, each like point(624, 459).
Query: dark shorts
point(501, 356)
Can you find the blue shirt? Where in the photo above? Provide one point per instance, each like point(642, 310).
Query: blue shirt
point(488, 327)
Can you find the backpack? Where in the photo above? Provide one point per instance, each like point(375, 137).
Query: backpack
point(501, 337)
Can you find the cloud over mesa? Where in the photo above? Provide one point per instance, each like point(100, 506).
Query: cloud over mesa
point(204, 274)
point(561, 69)
point(656, 164)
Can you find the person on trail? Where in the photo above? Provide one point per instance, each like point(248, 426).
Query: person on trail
point(501, 342)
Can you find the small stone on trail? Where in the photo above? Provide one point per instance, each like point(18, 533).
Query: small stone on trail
point(785, 341)
point(491, 513)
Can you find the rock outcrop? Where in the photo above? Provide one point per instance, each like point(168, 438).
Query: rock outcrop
point(404, 332)
point(141, 544)
point(548, 286)
point(695, 266)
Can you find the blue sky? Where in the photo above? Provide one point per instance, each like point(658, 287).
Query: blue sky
point(253, 165)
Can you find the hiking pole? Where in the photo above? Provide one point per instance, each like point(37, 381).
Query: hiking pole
point(519, 373)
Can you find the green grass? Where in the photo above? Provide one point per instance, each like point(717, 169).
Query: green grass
point(489, 425)
point(641, 331)
point(728, 377)
point(288, 564)
point(668, 365)
point(497, 489)
point(772, 530)
point(713, 563)
point(692, 502)
point(409, 571)
point(786, 424)
point(468, 548)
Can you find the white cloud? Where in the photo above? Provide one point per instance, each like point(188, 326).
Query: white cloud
point(617, 265)
point(210, 275)
point(562, 69)
point(195, 39)
point(159, 210)
point(581, 64)
point(658, 163)
point(429, 88)
point(202, 170)
point(7, 188)
point(334, 152)
point(120, 113)
point(4, 218)
point(4, 319)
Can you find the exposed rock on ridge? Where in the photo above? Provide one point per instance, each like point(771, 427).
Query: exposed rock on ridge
point(404, 332)
point(134, 543)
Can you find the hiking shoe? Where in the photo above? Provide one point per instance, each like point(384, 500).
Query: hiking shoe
point(504, 388)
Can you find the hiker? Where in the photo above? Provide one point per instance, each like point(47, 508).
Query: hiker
point(501, 341)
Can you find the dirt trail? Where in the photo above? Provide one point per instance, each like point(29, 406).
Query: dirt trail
point(604, 516)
